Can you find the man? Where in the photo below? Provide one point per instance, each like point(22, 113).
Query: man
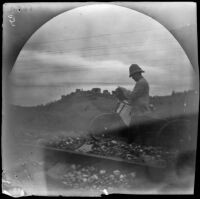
point(138, 98)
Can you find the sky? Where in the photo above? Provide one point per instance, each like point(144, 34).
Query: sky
point(97, 44)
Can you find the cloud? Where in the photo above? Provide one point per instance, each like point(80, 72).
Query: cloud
point(38, 68)
point(43, 68)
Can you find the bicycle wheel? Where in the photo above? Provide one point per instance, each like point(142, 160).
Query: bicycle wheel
point(104, 124)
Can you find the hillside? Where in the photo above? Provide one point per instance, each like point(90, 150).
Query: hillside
point(71, 115)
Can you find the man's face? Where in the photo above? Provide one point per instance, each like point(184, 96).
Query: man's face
point(136, 76)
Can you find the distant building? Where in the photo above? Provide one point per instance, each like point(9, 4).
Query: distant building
point(173, 93)
point(96, 90)
point(63, 96)
point(88, 92)
point(113, 92)
point(78, 90)
point(106, 92)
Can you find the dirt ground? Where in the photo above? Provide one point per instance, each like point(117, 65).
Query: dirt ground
point(39, 173)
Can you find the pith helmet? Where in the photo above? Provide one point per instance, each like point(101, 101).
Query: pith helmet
point(134, 68)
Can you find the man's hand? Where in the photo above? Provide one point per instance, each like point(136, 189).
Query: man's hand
point(120, 94)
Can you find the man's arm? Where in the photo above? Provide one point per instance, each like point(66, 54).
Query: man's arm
point(138, 91)
point(120, 94)
point(126, 92)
